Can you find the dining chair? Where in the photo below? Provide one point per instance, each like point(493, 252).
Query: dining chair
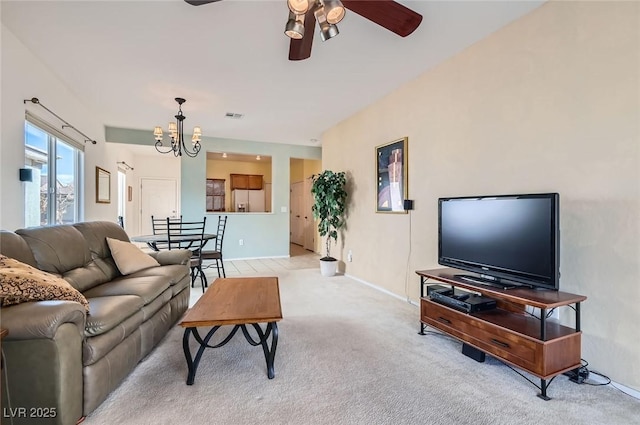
point(188, 235)
point(160, 227)
point(216, 254)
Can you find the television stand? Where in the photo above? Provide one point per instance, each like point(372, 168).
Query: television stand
point(487, 282)
point(543, 348)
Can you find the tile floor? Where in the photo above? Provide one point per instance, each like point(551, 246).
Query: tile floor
point(299, 258)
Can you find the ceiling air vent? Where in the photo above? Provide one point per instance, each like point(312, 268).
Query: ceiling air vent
point(233, 115)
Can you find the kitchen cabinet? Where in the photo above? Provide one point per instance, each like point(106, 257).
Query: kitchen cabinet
point(246, 181)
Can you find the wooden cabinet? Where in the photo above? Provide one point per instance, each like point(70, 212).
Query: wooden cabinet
point(246, 181)
point(541, 347)
point(215, 195)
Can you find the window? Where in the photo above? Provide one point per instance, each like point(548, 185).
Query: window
point(55, 195)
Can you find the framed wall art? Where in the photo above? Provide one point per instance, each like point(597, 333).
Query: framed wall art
point(103, 186)
point(391, 176)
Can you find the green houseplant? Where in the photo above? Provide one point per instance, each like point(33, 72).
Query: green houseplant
point(329, 203)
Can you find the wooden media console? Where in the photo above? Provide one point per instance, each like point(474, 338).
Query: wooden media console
point(541, 347)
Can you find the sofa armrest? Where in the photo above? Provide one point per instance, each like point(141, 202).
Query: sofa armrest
point(174, 256)
point(41, 319)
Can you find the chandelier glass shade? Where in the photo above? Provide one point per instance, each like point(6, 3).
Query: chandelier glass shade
point(176, 143)
point(327, 13)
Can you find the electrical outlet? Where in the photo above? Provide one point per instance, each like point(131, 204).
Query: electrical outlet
point(350, 256)
point(241, 242)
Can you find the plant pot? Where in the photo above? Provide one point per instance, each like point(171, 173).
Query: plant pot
point(328, 266)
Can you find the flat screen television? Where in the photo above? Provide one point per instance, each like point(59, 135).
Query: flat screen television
point(508, 240)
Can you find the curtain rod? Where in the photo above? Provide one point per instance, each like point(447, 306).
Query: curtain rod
point(36, 101)
point(129, 167)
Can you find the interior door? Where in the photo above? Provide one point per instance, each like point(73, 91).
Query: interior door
point(158, 197)
point(297, 220)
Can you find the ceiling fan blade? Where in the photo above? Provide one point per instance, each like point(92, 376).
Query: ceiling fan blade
point(386, 13)
point(300, 49)
point(200, 2)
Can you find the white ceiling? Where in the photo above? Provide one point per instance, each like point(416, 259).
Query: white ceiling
point(128, 60)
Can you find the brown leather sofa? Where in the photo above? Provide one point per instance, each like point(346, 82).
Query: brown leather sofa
point(59, 359)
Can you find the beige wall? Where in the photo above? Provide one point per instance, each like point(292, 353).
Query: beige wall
point(297, 170)
point(548, 103)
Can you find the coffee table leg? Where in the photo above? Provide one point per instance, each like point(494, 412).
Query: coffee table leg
point(192, 363)
point(187, 354)
point(271, 327)
point(269, 353)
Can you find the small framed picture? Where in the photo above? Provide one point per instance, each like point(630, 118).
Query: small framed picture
point(103, 186)
point(391, 176)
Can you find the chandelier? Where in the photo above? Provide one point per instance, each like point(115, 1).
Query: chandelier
point(326, 12)
point(175, 131)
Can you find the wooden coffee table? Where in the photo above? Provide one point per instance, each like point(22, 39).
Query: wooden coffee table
point(239, 302)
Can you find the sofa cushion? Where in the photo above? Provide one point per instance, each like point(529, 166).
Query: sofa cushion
point(177, 274)
point(147, 288)
point(96, 234)
point(21, 283)
point(57, 249)
point(63, 251)
point(12, 245)
point(129, 258)
point(96, 347)
point(109, 312)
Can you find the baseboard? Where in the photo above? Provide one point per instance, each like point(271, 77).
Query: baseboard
point(256, 258)
point(386, 291)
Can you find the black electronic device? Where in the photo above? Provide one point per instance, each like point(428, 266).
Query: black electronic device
point(508, 240)
point(445, 290)
point(473, 353)
point(469, 303)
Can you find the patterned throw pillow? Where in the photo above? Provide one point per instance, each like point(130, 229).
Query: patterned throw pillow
point(20, 283)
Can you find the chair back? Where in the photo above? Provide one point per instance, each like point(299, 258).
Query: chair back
point(159, 225)
point(222, 224)
point(185, 234)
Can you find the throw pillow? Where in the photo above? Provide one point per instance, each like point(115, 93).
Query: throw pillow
point(21, 283)
point(129, 258)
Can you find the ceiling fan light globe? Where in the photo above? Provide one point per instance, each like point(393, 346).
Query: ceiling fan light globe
point(294, 29)
point(334, 11)
point(299, 7)
point(328, 31)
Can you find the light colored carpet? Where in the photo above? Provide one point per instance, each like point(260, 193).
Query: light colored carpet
point(348, 354)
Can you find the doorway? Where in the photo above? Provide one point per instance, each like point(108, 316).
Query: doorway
point(302, 228)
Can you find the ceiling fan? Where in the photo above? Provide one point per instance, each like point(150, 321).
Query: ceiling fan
point(303, 15)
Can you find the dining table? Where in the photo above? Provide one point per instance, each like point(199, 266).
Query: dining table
point(184, 241)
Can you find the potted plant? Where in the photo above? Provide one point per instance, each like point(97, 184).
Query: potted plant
point(329, 202)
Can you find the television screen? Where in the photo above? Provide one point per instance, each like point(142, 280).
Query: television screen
point(506, 238)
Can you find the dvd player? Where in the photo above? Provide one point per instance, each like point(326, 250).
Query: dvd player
point(469, 303)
